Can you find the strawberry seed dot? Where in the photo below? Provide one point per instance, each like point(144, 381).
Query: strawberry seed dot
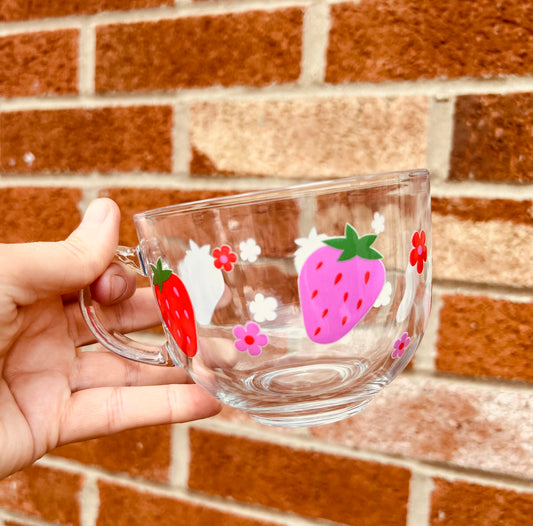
point(359, 303)
point(344, 320)
point(317, 330)
point(313, 295)
point(345, 297)
point(338, 277)
point(175, 290)
point(320, 263)
point(325, 313)
point(367, 277)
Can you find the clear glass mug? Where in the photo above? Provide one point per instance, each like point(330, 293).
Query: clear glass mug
point(295, 305)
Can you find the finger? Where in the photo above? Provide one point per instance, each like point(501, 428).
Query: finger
point(116, 284)
point(97, 412)
point(137, 313)
point(38, 270)
point(104, 369)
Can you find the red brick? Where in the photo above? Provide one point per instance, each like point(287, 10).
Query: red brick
point(44, 63)
point(202, 164)
point(44, 493)
point(12, 10)
point(322, 137)
point(461, 503)
point(255, 48)
point(38, 213)
point(82, 140)
point(482, 240)
point(141, 452)
point(480, 336)
point(374, 41)
point(479, 209)
point(492, 138)
point(469, 426)
point(125, 506)
point(309, 483)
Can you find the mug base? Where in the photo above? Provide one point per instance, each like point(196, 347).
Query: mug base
point(296, 417)
point(305, 395)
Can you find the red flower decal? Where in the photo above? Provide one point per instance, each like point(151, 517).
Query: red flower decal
point(224, 258)
point(419, 253)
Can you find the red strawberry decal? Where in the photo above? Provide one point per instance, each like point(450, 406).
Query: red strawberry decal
point(338, 284)
point(176, 308)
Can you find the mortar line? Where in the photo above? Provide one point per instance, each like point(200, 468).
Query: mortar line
point(439, 137)
point(14, 516)
point(440, 89)
point(419, 502)
point(179, 456)
point(182, 179)
point(315, 38)
point(495, 292)
point(482, 384)
point(481, 189)
point(86, 60)
point(89, 501)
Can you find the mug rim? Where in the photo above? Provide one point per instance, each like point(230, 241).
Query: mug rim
point(290, 191)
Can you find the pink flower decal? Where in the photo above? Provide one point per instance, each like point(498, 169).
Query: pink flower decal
point(419, 253)
point(250, 338)
point(224, 258)
point(401, 345)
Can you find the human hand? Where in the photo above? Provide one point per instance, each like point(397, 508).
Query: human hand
point(50, 392)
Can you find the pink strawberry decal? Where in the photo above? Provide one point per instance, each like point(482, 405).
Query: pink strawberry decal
point(338, 284)
point(176, 308)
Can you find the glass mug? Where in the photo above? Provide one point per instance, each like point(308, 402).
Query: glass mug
point(295, 305)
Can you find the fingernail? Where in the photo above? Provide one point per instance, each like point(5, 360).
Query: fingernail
point(118, 287)
point(96, 213)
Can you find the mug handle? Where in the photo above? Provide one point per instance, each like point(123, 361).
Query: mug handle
point(112, 339)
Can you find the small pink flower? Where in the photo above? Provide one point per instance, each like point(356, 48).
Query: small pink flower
point(224, 257)
point(249, 338)
point(401, 345)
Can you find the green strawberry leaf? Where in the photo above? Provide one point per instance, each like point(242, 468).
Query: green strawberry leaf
point(352, 245)
point(160, 275)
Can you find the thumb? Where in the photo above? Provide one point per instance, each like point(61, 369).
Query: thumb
point(37, 270)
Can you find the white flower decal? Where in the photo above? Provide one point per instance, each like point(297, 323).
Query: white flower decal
point(263, 309)
point(404, 309)
point(307, 246)
point(204, 282)
point(384, 296)
point(378, 224)
point(249, 250)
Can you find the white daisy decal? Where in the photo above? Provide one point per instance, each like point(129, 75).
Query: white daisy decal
point(250, 250)
point(378, 223)
point(384, 296)
point(307, 246)
point(263, 309)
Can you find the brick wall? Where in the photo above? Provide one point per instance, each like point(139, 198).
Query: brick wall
point(158, 101)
